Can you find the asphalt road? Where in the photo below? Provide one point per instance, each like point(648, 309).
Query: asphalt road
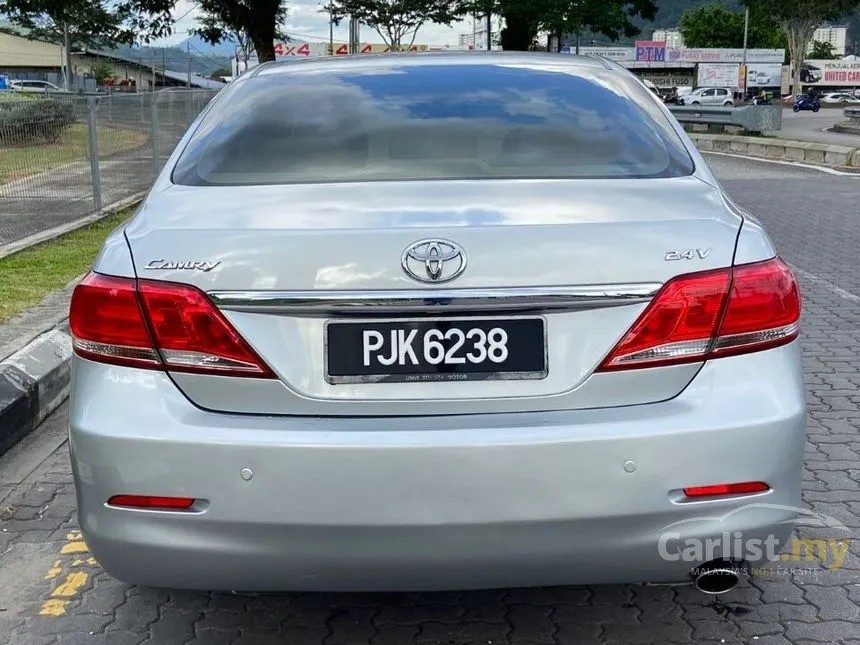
point(52, 592)
point(812, 126)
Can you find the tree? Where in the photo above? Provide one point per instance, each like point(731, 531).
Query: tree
point(523, 20)
point(714, 25)
point(218, 72)
point(823, 51)
point(798, 19)
point(395, 20)
point(100, 70)
point(251, 24)
point(95, 23)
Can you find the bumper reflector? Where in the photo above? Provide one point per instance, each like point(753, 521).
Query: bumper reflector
point(743, 488)
point(151, 502)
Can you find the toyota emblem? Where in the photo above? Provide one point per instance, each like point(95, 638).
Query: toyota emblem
point(434, 261)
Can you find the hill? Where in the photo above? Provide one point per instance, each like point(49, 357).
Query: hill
point(670, 11)
point(172, 58)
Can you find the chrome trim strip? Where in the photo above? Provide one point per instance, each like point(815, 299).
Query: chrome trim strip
point(517, 299)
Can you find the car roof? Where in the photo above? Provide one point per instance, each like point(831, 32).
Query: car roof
point(370, 62)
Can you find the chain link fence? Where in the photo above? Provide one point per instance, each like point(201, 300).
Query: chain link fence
point(66, 157)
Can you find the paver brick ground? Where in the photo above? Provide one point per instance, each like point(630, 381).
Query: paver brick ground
point(814, 220)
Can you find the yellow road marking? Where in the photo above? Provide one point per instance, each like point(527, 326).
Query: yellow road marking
point(75, 547)
point(53, 607)
point(54, 571)
point(74, 581)
point(56, 605)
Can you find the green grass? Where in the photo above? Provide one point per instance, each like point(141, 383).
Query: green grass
point(22, 161)
point(29, 276)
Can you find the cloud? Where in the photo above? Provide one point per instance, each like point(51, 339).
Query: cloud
point(305, 22)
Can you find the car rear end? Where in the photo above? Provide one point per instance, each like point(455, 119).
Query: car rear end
point(432, 322)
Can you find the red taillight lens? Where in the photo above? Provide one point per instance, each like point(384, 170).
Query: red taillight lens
point(157, 325)
point(711, 314)
point(743, 488)
point(107, 324)
point(152, 502)
point(193, 336)
point(763, 310)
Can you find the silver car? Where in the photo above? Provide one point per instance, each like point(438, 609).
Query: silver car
point(709, 96)
point(440, 321)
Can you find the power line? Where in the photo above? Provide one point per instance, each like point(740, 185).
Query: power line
point(184, 15)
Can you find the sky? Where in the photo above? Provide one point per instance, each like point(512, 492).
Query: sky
point(304, 22)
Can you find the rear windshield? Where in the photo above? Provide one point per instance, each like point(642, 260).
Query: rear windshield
point(431, 122)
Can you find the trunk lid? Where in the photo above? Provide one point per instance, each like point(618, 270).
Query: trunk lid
point(532, 238)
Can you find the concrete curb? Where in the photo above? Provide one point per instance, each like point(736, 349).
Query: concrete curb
point(52, 233)
point(771, 148)
point(34, 382)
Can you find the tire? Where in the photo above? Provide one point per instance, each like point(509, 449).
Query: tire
point(796, 108)
point(694, 103)
point(815, 108)
point(728, 104)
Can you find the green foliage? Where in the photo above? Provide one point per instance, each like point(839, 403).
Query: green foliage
point(100, 70)
point(93, 23)
point(611, 18)
point(802, 11)
point(823, 51)
point(714, 25)
point(23, 122)
point(396, 21)
point(221, 71)
point(253, 24)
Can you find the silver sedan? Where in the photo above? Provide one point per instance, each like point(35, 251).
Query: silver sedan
point(412, 322)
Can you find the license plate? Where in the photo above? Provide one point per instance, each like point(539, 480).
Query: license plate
point(436, 350)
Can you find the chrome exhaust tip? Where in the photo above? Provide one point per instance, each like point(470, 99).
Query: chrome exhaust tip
point(717, 577)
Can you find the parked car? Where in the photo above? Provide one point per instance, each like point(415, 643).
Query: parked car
point(304, 364)
point(708, 96)
point(35, 86)
point(838, 97)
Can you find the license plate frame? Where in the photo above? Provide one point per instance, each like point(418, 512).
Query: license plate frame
point(428, 376)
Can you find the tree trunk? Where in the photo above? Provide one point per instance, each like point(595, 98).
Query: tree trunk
point(519, 33)
point(263, 36)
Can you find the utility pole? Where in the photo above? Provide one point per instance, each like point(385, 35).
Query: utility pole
point(577, 43)
point(153, 69)
point(745, 74)
point(489, 31)
point(354, 35)
point(330, 29)
point(474, 32)
point(67, 45)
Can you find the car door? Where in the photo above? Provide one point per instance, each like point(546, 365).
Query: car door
point(709, 96)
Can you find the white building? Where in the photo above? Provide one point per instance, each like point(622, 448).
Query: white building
point(836, 36)
point(672, 38)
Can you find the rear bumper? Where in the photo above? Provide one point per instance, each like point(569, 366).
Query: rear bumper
point(432, 502)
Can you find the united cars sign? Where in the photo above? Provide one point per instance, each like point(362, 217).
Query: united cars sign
point(830, 73)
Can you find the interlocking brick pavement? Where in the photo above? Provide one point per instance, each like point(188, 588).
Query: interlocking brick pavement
point(819, 235)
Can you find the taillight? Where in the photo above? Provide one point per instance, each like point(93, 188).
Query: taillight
point(711, 314)
point(157, 325)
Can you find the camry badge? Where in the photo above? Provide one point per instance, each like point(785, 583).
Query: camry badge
point(187, 265)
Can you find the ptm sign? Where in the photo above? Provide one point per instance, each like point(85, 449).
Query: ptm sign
point(651, 50)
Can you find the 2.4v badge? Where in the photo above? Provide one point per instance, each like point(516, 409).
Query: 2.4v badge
point(434, 260)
